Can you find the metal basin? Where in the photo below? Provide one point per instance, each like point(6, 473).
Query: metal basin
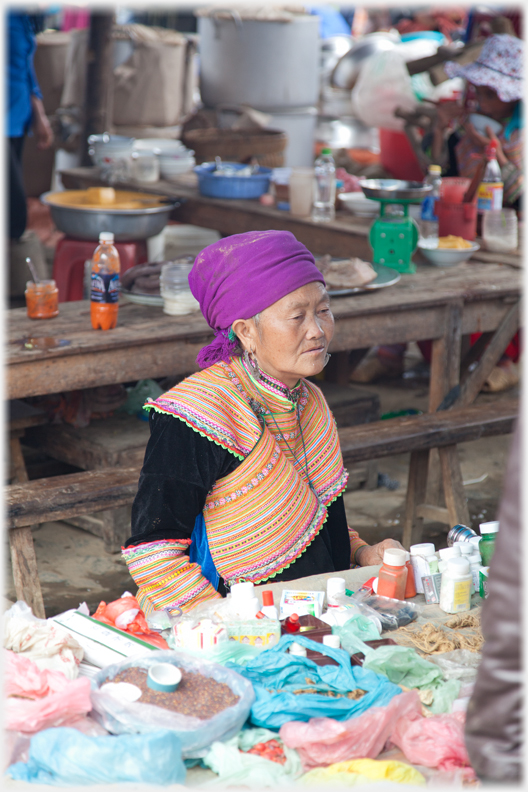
point(394, 189)
point(125, 224)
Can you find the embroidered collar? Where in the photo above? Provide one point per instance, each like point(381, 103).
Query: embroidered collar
point(268, 385)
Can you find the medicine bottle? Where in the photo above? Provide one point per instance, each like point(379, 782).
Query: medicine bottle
point(455, 591)
point(488, 533)
point(291, 624)
point(297, 650)
point(392, 576)
point(419, 552)
point(445, 554)
point(474, 566)
point(268, 606)
point(335, 586)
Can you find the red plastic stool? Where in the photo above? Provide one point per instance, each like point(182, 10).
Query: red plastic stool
point(70, 255)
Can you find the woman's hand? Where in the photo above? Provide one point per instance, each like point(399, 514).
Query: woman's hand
point(41, 124)
point(371, 555)
point(483, 141)
point(446, 112)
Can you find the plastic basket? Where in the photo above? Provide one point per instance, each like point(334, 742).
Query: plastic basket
point(265, 145)
point(232, 186)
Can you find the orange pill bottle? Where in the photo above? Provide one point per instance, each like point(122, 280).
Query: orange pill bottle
point(392, 577)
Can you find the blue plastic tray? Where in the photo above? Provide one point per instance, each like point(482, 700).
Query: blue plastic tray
point(232, 186)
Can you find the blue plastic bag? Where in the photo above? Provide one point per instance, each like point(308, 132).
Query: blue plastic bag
point(275, 675)
point(65, 756)
point(196, 735)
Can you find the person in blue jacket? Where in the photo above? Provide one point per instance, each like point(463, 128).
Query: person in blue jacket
point(24, 110)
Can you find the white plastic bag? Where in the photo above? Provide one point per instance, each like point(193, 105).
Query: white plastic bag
point(383, 85)
point(196, 735)
point(48, 644)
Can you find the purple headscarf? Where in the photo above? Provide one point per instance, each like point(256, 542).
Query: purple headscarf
point(242, 275)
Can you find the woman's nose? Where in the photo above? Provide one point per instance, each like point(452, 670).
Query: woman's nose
point(315, 328)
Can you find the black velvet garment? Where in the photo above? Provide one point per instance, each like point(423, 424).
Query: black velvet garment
point(181, 467)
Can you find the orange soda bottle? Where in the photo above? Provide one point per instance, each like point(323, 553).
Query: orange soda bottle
point(104, 293)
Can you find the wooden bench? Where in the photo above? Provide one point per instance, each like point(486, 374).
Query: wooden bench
point(64, 497)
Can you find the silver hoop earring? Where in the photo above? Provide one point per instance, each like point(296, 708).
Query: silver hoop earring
point(252, 366)
point(327, 358)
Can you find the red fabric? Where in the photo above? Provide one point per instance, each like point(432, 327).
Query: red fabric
point(512, 351)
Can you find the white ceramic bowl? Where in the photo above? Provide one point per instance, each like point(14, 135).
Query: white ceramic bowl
point(356, 203)
point(171, 166)
point(159, 145)
point(107, 149)
point(446, 257)
point(480, 122)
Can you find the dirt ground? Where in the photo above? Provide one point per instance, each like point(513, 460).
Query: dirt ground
point(74, 567)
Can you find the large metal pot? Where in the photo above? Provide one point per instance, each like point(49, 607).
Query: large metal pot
point(126, 225)
point(346, 71)
point(262, 63)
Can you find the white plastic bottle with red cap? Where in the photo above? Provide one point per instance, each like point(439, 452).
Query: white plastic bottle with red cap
point(268, 607)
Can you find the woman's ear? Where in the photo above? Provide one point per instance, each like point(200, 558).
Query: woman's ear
point(244, 329)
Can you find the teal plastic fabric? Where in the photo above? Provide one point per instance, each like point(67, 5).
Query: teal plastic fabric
point(66, 756)
point(275, 675)
point(236, 769)
point(403, 666)
point(354, 632)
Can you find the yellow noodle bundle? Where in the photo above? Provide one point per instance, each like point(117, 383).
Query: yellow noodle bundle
point(453, 242)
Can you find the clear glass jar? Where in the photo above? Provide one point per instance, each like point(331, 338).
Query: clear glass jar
point(499, 230)
point(145, 166)
point(42, 299)
point(174, 288)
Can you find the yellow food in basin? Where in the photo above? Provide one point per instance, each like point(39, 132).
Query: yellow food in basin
point(105, 198)
point(453, 243)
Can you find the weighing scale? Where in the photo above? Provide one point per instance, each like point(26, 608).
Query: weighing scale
point(394, 238)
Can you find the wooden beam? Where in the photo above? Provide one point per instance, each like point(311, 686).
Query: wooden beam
point(99, 83)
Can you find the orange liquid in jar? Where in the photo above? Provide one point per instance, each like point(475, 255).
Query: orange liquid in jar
point(42, 299)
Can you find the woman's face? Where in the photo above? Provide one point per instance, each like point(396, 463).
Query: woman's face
point(291, 337)
point(490, 105)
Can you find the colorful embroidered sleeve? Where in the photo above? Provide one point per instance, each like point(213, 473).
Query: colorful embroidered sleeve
point(355, 544)
point(165, 576)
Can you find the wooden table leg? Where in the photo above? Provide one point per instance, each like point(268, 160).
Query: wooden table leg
point(22, 549)
point(455, 498)
point(416, 487)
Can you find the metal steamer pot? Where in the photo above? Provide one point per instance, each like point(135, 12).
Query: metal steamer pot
point(259, 62)
point(127, 225)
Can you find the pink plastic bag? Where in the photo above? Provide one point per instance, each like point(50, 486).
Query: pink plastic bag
point(437, 741)
point(125, 614)
point(325, 741)
point(49, 698)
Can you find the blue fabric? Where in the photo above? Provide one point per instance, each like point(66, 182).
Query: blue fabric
point(515, 122)
point(200, 554)
point(66, 757)
point(21, 78)
point(331, 21)
point(275, 675)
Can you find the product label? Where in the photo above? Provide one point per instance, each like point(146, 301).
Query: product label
point(461, 595)
point(431, 587)
point(429, 208)
point(105, 287)
point(489, 196)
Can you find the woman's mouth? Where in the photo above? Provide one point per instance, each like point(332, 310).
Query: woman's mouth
point(314, 350)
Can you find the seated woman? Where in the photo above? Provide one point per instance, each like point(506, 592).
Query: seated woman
point(243, 477)
point(497, 78)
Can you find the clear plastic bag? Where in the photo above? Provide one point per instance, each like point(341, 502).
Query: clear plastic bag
point(459, 664)
point(196, 735)
point(38, 699)
point(277, 675)
point(67, 756)
point(392, 613)
point(383, 85)
point(324, 741)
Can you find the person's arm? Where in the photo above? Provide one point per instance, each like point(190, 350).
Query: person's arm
point(372, 555)
point(179, 469)
point(41, 124)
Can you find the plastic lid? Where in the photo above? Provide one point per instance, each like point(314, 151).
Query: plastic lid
point(435, 169)
point(424, 549)
point(297, 649)
point(332, 641)
point(267, 598)
point(326, 151)
point(464, 547)
point(474, 558)
point(106, 236)
point(335, 585)
point(458, 567)
point(407, 556)
point(474, 540)
point(394, 557)
point(449, 552)
point(489, 527)
point(294, 617)
point(242, 590)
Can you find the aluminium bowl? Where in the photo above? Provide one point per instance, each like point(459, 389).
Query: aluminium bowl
point(446, 257)
point(395, 189)
point(127, 225)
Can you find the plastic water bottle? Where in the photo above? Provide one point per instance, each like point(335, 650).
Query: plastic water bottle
point(325, 188)
point(104, 294)
point(428, 213)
